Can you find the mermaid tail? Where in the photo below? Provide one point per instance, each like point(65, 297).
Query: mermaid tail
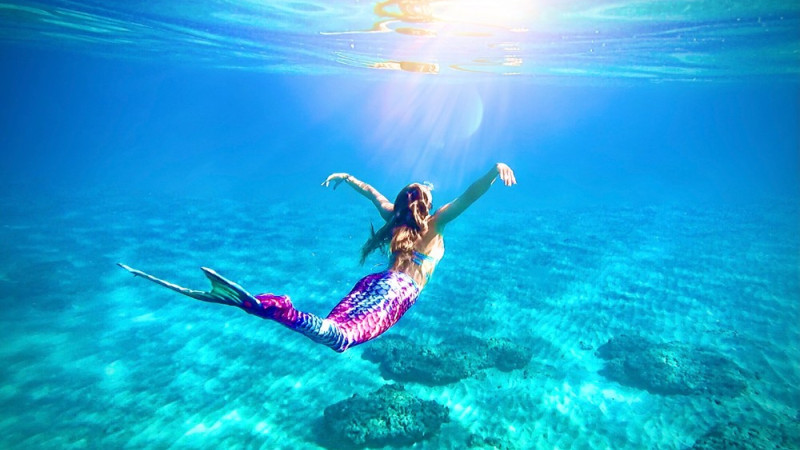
point(375, 304)
point(222, 291)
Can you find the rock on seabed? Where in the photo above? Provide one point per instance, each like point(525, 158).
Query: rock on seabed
point(404, 360)
point(670, 368)
point(388, 416)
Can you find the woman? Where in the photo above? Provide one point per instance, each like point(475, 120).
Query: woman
point(379, 300)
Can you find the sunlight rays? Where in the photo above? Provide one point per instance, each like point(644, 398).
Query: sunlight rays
point(422, 124)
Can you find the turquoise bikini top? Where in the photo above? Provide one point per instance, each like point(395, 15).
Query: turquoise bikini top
point(419, 258)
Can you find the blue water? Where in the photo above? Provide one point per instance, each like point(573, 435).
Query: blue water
point(656, 149)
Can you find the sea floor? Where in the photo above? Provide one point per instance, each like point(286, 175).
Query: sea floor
point(95, 358)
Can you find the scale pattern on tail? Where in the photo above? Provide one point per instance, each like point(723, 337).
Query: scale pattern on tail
point(375, 304)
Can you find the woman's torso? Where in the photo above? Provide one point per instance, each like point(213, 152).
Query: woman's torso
point(428, 251)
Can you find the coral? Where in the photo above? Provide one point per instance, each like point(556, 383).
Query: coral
point(388, 416)
point(670, 368)
point(750, 436)
point(405, 360)
point(475, 441)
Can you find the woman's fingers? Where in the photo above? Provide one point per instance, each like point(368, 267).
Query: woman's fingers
point(508, 176)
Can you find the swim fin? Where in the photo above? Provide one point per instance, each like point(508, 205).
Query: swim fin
point(222, 291)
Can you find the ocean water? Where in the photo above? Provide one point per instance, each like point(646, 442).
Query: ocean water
point(638, 288)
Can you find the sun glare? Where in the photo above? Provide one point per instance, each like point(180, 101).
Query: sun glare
point(431, 37)
point(511, 15)
point(506, 14)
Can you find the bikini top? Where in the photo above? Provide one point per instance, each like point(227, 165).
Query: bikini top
point(419, 258)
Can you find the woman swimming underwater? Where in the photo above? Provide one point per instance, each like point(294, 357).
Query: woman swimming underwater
point(378, 300)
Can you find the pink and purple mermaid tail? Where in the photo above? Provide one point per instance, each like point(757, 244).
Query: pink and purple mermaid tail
point(375, 304)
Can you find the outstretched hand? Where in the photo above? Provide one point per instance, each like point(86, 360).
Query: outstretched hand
point(336, 179)
point(506, 174)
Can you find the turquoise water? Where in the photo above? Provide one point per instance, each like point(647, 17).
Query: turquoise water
point(555, 41)
point(637, 289)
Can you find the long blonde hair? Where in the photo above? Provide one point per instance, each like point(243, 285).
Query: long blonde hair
point(412, 209)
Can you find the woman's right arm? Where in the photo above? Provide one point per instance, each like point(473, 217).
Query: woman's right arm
point(385, 207)
point(450, 211)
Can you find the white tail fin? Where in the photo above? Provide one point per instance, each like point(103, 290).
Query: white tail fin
point(222, 290)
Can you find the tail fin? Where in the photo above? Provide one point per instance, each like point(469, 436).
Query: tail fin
point(222, 291)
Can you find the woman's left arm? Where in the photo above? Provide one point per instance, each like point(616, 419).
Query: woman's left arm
point(450, 211)
point(385, 207)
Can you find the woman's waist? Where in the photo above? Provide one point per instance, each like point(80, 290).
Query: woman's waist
point(414, 272)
